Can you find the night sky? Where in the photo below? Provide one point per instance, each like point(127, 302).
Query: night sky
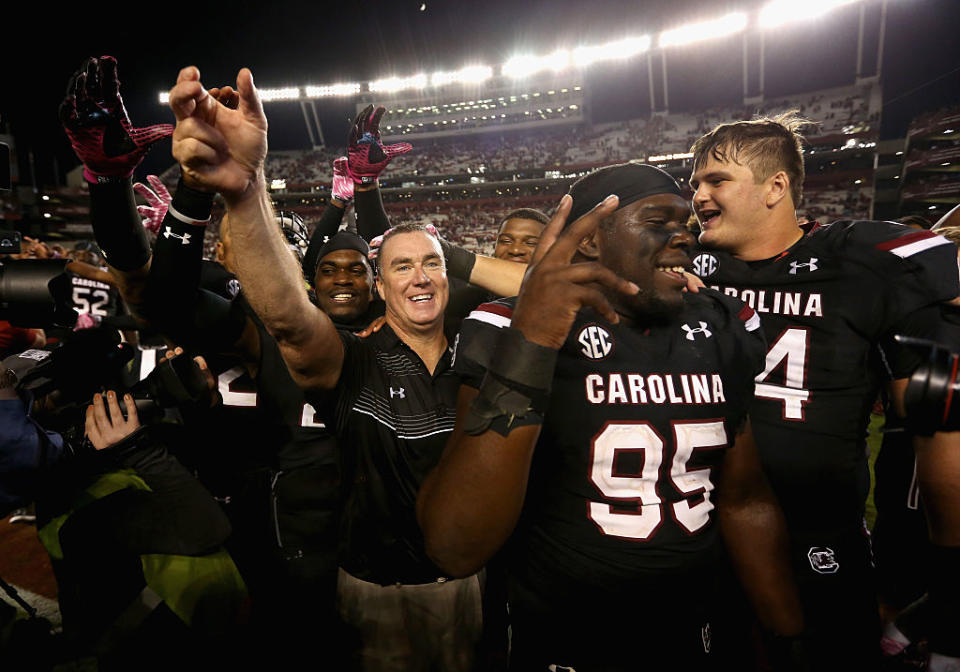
point(296, 43)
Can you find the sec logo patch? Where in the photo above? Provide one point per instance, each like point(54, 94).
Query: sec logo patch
point(595, 341)
point(705, 264)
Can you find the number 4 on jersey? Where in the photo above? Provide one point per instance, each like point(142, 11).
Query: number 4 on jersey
point(789, 350)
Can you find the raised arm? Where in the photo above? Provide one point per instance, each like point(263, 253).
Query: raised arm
point(470, 503)
point(223, 150)
point(340, 199)
point(367, 158)
point(96, 122)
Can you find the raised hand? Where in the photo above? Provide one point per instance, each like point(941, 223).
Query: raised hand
point(367, 157)
point(342, 183)
point(95, 120)
point(555, 289)
point(219, 148)
point(158, 200)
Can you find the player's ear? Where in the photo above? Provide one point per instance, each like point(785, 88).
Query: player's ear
point(589, 246)
point(778, 188)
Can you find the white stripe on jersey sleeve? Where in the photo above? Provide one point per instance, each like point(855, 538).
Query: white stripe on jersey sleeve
point(752, 323)
point(911, 249)
point(498, 321)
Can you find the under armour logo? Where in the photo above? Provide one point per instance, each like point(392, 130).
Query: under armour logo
point(397, 393)
point(184, 239)
point(809, 265)
point(702, 329)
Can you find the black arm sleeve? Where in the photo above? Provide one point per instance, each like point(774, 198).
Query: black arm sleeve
point(174, 303)
point(117, 226)
point(327, 226)
point(371, 215)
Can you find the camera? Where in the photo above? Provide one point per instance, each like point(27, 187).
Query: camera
point(70, 372)
point(932, 397)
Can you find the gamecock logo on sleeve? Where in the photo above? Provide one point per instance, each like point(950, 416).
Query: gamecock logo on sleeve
point(823, 560)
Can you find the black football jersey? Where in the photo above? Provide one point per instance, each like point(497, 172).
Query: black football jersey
point(93, 297)
point(621, 487)
point(826, 306)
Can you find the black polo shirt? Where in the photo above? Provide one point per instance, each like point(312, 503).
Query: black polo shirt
point(392, 417)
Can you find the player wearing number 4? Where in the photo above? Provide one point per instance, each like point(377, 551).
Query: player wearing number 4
point(602, 436)
point(829, 299)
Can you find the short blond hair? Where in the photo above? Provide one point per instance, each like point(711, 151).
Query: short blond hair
point(765, 145)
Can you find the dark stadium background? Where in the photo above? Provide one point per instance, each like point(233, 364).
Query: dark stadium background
point(305, 42)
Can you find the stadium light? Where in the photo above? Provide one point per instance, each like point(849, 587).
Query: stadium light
point(287, 93)
point(332, 90)
point(705, 30)
point(472, 74)
point(164, 97)
point(656, 158)
point(526, 65)
point(621, 49)
point(391, 84)
point(779, 12)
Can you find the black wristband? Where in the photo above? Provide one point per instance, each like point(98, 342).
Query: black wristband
point(516, 388)
point(944, 600)
point(460, 262)
point(501, 407)
point(528, 364)
point(117, 225)
point(192, 204)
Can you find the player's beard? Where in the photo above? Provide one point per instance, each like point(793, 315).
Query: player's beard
point(649, 308)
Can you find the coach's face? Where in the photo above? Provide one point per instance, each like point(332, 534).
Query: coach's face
point(413, 281)
point(646, 242)
point(344, 284)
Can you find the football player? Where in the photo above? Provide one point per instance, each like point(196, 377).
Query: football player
point(829, 298)
point(602, 428)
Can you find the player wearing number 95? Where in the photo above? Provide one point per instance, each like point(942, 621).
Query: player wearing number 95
point(602, 437)
point(829, 300)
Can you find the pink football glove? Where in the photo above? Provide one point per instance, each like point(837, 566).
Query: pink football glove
point(95, 120)
point(367, 157)
point(158, 200)
point(342, 187)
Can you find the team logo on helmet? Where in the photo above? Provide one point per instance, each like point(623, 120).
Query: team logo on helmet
point(823, 560)
point(705, 264)
point(595, 341)
point(691, 332)
point(809, 265)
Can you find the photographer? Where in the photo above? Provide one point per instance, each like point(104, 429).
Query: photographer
point(134, 540)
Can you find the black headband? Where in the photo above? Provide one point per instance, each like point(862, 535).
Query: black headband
point(629, 181)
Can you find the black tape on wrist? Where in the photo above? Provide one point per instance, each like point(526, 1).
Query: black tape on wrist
point(944, 599)
point(516, 388)
point(517, 359)
point(460, 262)
point(117, 225)
point(192, 204)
